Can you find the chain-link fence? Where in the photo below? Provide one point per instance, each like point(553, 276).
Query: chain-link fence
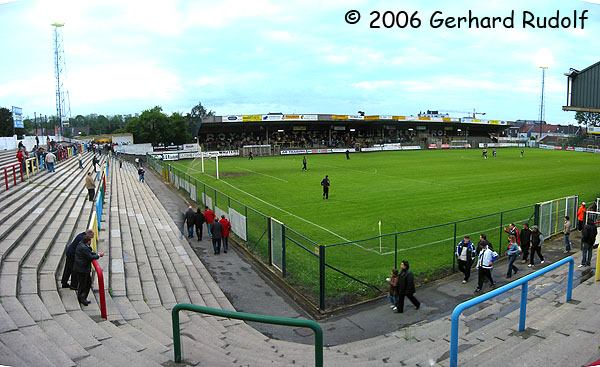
point(337, 275)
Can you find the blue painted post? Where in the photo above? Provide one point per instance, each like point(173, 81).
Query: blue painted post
point(454, 337)
point(523, 313)
point(570, 280)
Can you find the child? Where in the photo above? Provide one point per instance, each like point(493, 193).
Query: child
point(393, 293)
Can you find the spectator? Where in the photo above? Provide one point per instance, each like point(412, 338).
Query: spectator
point(82, 266)
point(225, 229)
point(580, 216)
point(525, 236)
point(588, 238)
point(50, 161)
point(90, 186)
point(512, 253)
point(536, 245)
point(216, 231)
point(483, 243)
point(406, 287)
point(198, 223)
point(485, 265)
point(567, 233)
point(80, 159)
point(21, 159)
point(393, 292)
point(512, 230)
point(141, 173)
point(209, 218)
point(70, 258)
point(95, 163)
point(465, 252)
point(190, 218)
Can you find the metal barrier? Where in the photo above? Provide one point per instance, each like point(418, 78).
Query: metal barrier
point(100, 274)
point(14, 167)
point(275, 320)
point(31, 166)
point(458, 310)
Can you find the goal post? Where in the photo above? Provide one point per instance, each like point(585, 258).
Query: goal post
point(210, 157)
point(256, 150)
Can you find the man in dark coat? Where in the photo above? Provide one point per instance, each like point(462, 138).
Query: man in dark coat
point(199, 222)
point(216, 231)
point(326, 183)
point(70, 253)
point(588, 239)
point(406, 288)
point(190, 219)
point(82, 268)
point(525, 236)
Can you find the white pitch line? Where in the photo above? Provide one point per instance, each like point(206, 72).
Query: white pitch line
point(263, 174)
point(282, 210)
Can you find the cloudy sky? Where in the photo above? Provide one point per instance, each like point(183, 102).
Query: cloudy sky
point(260, 56)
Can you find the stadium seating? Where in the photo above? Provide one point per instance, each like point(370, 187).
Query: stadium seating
point(149, 267)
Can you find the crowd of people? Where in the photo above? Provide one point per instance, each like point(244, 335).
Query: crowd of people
point(46, 155)
point(218, 229)
point(522, 242)
point(303, 139)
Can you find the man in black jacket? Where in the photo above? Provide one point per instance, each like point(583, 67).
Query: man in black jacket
point(406, 288)
point(199, 223)
point(217, 232)
point(70, 258)
point(190, 218)
point(588, 238)
point(82, 268)
point(525, 236)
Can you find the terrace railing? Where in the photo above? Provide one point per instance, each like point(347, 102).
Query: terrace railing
point(523, 283)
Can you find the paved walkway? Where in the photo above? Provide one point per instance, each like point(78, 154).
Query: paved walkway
point(241, 282)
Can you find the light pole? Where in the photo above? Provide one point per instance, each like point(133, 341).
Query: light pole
point(542, 111)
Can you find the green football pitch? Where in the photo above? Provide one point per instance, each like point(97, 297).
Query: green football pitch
point(404, 190)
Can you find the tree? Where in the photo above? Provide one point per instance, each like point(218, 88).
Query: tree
point(588, 118)
point(195, 117)
point(7, 125)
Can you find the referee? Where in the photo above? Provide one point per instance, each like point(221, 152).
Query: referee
point(326, 183)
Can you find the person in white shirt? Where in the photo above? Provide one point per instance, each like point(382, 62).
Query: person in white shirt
point(50, 160)
point(485, 265)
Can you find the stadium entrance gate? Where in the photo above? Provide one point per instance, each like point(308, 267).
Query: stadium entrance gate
point(277, 244)
point(549, 215)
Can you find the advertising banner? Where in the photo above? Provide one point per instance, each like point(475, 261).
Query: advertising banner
point(339, 117)
point(272, 117)
point(17, 113)
point(232, 118)
point(251, 118)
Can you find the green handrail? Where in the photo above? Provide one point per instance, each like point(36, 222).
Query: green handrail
point(265, 319)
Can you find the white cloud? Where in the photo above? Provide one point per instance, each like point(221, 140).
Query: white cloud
point(283, 36)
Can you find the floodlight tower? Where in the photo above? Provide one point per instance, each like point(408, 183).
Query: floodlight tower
point(62, 109)
point(542, 109)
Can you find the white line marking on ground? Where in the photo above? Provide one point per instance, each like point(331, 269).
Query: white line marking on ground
point(263, 174)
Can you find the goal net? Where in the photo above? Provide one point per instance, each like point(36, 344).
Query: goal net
point(256, 150)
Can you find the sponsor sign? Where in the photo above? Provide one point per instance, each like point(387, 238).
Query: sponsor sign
point(339, 117)
point(17, 113)
point(170, 156)
point(300, 117)
point(372, 118)
point(251, 118)
point(571, 149)
point(356, 117)
point(593, 130)
point(232, 118)
point(293, 151)
point(272, 117)
point(432, 146)
point(190, 146)
point(445, 146)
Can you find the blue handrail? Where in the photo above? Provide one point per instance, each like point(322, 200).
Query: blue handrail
point(458, 310)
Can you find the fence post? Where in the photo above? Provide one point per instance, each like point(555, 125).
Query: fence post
point(523, 312)
point(215, 204)
point(6, 177)
point(176, 334)
point(321, 277)
point(395, 250)
point(501, 229)
point(454, 244)
point(247, 233)
point(536, 215)
point(283, 267)
point(269, 245)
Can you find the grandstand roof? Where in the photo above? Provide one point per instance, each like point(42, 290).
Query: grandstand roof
point(583, 94)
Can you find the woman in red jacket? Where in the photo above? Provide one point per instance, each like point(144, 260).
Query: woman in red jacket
point(225, 232)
